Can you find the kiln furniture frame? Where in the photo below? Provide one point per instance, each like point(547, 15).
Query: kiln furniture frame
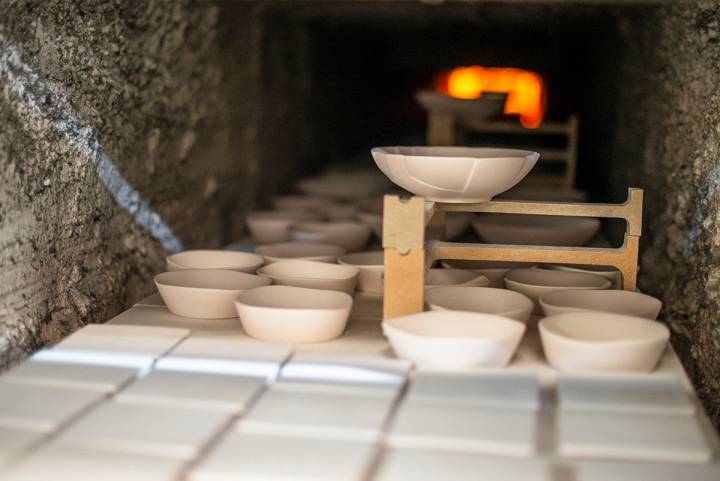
point(408, 254)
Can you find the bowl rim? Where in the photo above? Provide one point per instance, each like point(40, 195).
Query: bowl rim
point(512, 323)
point(339, 251)
point(663, 333)
point(295, 260)
point(346, 298)
point(543, 299)
point(158, 281)
point(342, 260)
point(605, 284)
point(495, 290)
point(526, 155)
point(258, 259)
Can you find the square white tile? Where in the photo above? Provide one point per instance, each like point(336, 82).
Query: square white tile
point(149, 430)
point(244, 456)
point(15, 443)
point(63, 463)
point(509, 432)
point(41, 408)
point(346, 369)
point(153, 300)
point(338, 416)
point(624, 394)
point(416, 465)
point(619, 471)
point(105, 379)
point(635, 436)
point(192, 390)
point(239, 356)
point(501, 389)
point(115, 345)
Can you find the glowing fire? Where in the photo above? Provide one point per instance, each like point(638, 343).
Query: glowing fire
point(525, 90)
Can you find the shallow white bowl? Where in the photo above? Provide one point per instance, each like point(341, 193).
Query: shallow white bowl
point(454, 339)
point(312, 274)
point(454, 174)
point(372, 267)
point(205, 293)
point(547, 230)
point(214, 259)
point(535, 282)
point(487, 300)
point(351, 236)
point(308, 251)
point(293, 314)
point(619, 302)
point(495, 271)
point(454, 277)
point(599, 341)
point(610, 273)
point(269, 226)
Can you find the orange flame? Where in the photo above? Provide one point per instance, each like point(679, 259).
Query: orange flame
point(525, 90)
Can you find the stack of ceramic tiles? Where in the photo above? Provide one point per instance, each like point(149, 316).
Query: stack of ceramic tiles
point(120, 402)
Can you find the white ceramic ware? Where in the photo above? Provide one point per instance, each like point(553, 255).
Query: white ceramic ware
point(269, 226)
point(454, 339)
point(610, 273)
point(372, 267)
point(535, 282)
point(214, 259)
point(454, 277)
point(454, 174)
point(308, 251)
point(587, 341)
point(205, 293)
point(615, 301)
point(548, 230)
point(338, 212)
point(456, 223)
point(312, 274)
point(351, 236)
point(373, 221)
point(343, 186)
point(487, 300)
point(495, 271)
point(298, 202)
point(293, 314)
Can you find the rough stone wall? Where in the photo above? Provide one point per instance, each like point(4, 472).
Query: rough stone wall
point(126, 129)
point(667, 140)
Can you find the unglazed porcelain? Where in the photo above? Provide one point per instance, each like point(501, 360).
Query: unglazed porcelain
point(312, 274)
point(454, 339)
point(548, 230)
point(308, 251)
point(351, 236)
point(495, 271)
point(454, 174)
point(535, 282)
point(274, 225)
point(486, 300)
point(587, 341)
point(454, 277)
point(214, 259)
point(293, 314)
point(372, 267)
point(610, 273)
point(205, 293)
point(614, 301)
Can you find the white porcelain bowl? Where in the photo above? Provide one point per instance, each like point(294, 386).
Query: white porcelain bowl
point(535, 282)
point(610, 273)
point(269, 226)
point(205, 293)
point(454, 277)
point(312, 274)
point(545, 230)
point(308, 251)
point(487, 300)
point(599, 341)
point(214, 259)
point(454, 339)
point(454, 174)
point(351, 236)
point(372, 267)
point(495, 271)
point(373, 221)
point(293, 314)
point(619, 302)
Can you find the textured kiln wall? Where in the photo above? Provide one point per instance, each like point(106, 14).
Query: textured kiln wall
point(671, 102)
point(153, 83)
